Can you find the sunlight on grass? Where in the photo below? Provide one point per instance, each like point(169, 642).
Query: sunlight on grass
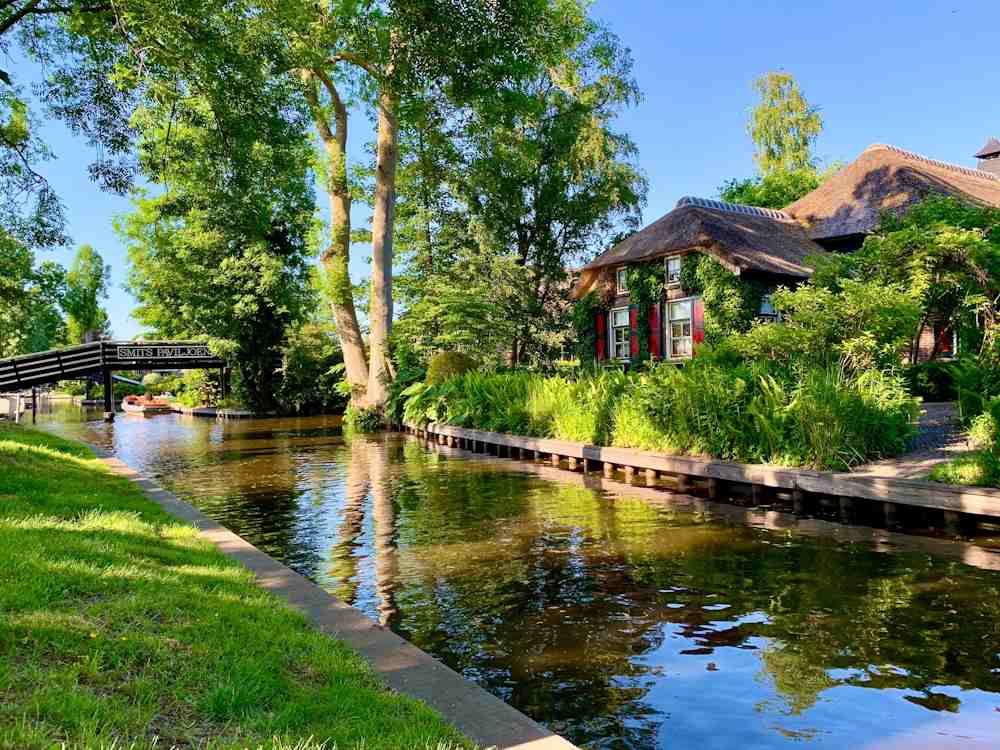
point(122, 628)
point(975, 469)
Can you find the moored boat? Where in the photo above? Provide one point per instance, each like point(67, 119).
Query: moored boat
point(144, 406)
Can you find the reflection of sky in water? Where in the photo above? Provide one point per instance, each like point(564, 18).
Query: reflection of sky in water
point(620, 623)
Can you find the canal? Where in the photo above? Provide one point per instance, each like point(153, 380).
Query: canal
point(617, 621)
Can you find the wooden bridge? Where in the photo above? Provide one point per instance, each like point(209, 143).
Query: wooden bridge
point(101, 359)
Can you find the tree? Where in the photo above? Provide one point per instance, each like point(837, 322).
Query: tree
point(784, 126)
point(774, 190)
point(465, 50)
point(30, 295)
point(86, 285)
point(946, 254)
point(532, 190)
point(29, 208)
point(221, 252)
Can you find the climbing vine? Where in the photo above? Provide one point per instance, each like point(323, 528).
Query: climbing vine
point(645, 289)
point(583, 317)
point(731, 303)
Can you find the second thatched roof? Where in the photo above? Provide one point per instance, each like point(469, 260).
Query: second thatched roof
point(886, 179)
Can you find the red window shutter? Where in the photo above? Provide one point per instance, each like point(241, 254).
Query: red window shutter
point(633, 331)
point(602, 335)
point(698, 321)
point(654, 331)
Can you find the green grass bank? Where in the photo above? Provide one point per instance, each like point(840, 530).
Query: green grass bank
point(121, 628)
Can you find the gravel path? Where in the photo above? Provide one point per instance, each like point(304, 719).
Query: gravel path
point(939, 438)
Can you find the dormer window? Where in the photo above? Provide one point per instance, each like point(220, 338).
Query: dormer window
point(621, 280)
point(674, 271)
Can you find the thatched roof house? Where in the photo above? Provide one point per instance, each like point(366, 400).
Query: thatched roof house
point(885, 178)
point(772, 246)
point(742, 238)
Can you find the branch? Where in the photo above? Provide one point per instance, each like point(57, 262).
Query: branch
point(350, 57)
point(17, 16)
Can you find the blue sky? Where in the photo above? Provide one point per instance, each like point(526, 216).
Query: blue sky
point(922, 76)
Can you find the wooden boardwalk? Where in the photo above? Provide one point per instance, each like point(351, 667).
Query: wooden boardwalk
point(888, 499)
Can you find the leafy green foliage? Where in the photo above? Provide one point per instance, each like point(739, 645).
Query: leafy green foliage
point(775, 189)
point(222, 253)
point(932, 381)
point(446, 365)
point(311, 368)
point(645, 288)
point(86, 285)
point(363, 419)
point(980, 467)
point(491, 218)
point(717, 405)
point(30, 297)
point(783, 125)
point(731, 303)
point(864, 323)
point(583, 316)
point(30, 211)
point(945, 255)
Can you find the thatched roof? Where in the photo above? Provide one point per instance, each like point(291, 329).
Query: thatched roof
point(992, 148)
point(742, 238)
point(886, 178)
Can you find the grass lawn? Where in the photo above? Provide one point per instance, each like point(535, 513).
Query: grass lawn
point(976, 468)
point(120, 628)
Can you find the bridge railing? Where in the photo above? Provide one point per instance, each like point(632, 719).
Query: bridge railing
point(83, 360)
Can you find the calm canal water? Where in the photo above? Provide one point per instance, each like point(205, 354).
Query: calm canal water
point(617, 622)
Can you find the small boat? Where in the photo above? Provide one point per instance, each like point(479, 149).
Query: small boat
point(145, 406)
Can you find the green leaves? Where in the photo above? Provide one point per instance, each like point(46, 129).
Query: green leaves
point(783, 125)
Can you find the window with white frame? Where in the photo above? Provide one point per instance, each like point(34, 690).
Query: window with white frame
point(619, 333)
point(679, 341)
point(674, 270)
point(621, 280)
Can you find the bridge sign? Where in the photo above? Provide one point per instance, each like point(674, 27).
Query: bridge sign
point(172, 352)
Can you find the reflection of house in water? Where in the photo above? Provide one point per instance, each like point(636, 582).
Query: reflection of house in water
point(772, 247)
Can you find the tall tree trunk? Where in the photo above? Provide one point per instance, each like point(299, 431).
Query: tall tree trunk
point(337, 255)
point(383, 218)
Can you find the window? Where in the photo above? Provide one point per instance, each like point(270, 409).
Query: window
point(621, 277)
point(679, 329)
point(674, 271)
point(767, 307)
point(619, 333)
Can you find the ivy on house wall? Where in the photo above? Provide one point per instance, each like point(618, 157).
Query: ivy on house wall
point(731, 303)
point(584, 324)
point(645, 289)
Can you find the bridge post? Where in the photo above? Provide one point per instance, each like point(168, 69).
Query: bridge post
point(109, 396)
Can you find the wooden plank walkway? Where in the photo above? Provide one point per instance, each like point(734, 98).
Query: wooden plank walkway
point(960, 505)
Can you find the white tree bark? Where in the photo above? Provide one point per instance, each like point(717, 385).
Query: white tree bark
point(383, 220)
point(337, 255)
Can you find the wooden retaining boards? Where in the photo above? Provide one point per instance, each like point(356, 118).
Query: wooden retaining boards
point(981, 501)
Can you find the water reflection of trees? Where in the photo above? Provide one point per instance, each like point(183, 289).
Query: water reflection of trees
point(551, 596)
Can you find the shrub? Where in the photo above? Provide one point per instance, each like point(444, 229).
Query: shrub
point(151, 379)
point(932, 381)
point(717, 406)
point(447, 365)
point(363, 419)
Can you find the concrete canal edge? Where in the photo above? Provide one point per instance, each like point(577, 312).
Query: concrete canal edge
point(481, 716)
